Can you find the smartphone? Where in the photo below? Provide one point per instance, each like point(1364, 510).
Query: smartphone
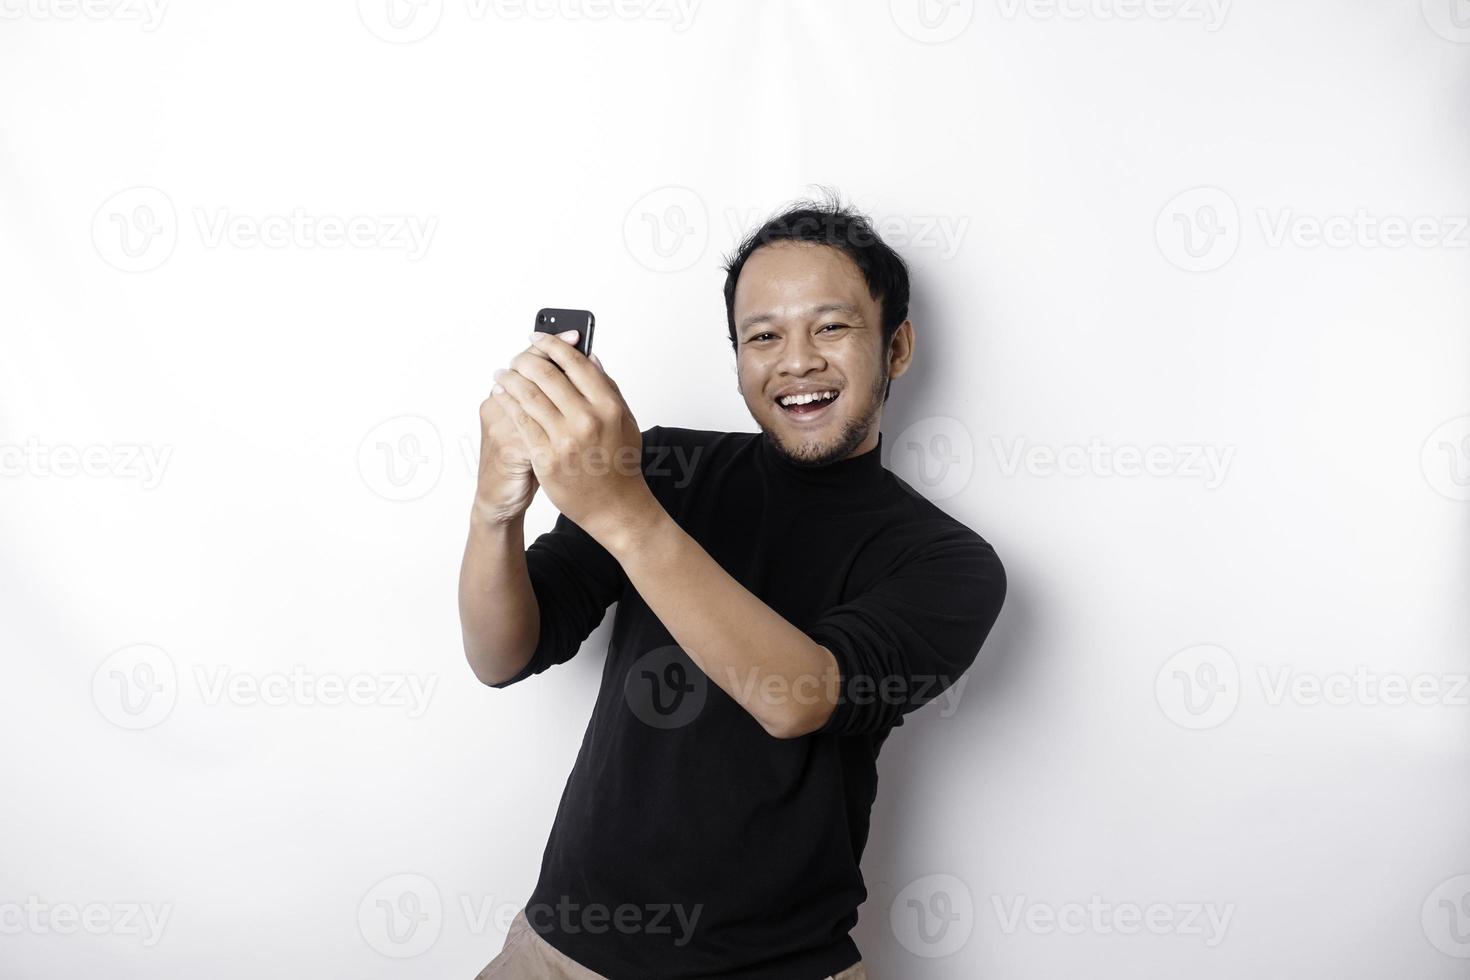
point(555, 321)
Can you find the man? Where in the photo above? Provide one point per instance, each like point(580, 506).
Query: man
point(783, 600)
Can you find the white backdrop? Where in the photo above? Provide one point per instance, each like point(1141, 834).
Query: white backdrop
point(1191, 306)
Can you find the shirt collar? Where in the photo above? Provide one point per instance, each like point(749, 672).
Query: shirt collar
point(861, 472)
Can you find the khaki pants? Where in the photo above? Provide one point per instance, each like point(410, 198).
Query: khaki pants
point(526, 956)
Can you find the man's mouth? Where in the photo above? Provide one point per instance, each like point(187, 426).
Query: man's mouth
point(807, 407)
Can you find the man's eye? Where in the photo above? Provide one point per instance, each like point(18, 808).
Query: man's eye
point(839, 325)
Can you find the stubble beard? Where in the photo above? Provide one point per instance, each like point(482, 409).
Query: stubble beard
point(814, 452)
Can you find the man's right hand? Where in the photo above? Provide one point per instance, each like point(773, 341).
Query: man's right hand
point(506, 482)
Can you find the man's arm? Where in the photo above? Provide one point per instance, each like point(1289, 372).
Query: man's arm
point(498, 613)
point(777, 673)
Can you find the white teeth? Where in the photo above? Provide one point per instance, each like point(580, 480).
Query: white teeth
point(807, 399)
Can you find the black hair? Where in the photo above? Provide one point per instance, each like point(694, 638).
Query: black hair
point(830, 222)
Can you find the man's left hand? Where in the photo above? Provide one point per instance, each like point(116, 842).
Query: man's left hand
point(586, 448)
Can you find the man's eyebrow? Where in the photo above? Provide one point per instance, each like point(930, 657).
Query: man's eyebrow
point(812, 313)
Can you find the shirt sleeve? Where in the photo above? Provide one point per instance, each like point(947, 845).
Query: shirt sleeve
point(907, 639)
point(575, 579)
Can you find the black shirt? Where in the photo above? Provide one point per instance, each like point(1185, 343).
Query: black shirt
point(689, 842)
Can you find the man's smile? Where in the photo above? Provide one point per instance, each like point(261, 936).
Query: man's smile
point(807, 403)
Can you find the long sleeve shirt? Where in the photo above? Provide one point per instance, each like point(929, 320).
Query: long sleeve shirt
point(689, 842)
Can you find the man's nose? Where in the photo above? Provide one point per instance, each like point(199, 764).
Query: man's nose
point(800, 354)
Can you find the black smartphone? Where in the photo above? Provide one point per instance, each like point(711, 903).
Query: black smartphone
point(555, 321)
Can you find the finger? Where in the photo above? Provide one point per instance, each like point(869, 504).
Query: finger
point(529, 399)
point(530, 430)
point(591, 382)
point(552, 380)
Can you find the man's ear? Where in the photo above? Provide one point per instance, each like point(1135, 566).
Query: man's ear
point(901, 349)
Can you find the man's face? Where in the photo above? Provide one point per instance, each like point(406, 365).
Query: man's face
point(804, 322)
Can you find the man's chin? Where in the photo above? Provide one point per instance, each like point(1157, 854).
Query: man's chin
point(827, 444)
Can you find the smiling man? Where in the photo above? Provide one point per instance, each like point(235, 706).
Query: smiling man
point(783, 602)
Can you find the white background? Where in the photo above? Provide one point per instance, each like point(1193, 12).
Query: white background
point(1110, 221)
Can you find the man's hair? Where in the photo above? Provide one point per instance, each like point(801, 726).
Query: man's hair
point(830, 222)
